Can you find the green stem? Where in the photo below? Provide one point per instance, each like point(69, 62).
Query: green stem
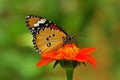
point(69, 73)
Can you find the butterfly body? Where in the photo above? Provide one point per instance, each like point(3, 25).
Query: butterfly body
point(46, 35)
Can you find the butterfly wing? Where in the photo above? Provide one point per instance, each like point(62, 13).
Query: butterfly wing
point(46, 35)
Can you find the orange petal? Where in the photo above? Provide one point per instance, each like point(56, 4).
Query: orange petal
point(86, 58)
point(44, 61)
point(83, 56)
point(91, 60)
point(49, 54)
point(87, 50)
point(70, 45)
point(53, 55)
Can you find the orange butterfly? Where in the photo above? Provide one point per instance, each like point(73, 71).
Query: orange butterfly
point(47, 36)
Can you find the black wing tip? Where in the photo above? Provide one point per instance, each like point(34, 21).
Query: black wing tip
point(29, 16)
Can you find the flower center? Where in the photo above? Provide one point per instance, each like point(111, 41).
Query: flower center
point(69, 51)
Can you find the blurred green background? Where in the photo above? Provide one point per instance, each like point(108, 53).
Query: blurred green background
point(98, 19)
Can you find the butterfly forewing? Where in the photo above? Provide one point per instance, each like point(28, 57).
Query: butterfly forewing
point(46, 35)
point(49, 40)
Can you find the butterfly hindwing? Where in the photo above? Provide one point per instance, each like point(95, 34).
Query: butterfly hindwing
point(46, 35)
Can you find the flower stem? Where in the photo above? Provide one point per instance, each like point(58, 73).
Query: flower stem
point(69, 73)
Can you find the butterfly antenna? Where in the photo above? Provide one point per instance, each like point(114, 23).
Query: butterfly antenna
point(80, 35)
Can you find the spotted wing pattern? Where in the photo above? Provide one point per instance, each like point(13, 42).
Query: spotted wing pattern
point(46, 35)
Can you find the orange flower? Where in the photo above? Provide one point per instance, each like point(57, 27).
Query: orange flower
point(68, 52)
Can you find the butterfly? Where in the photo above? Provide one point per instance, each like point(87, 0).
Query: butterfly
point(47, 36)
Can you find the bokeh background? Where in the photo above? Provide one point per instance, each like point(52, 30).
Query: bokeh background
point(98, 19)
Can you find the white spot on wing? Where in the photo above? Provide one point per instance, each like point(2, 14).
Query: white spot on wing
point(36, 25)
point(46, 24)
point(49, 21)
point(41, 21)
point(33, 28)
point(38, 28)
point(27, 16)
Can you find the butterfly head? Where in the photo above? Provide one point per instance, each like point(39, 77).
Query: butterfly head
point(68, 38)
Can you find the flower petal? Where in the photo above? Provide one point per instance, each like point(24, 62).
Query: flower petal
point(86, 58)
point(87, 50)
point(83, 56)
point(91, 60)
point(53, 55)
point(44, 61)
point(68, 52)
